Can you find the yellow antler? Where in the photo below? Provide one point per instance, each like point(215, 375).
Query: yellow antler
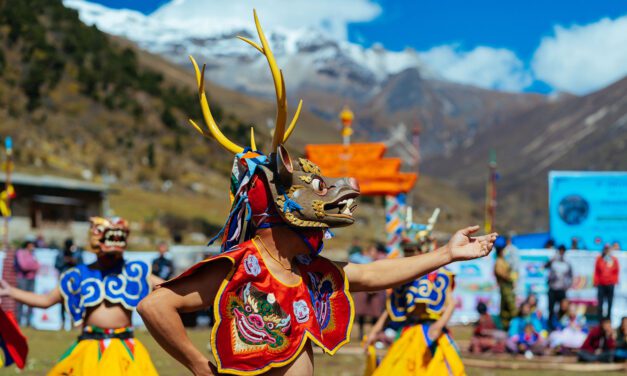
point(206, 112)
point(253, 144)
point(280, 133)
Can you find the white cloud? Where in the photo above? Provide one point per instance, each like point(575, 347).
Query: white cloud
point(581, 59)
point(577, 59)
point(487, 67)
point(331, 15)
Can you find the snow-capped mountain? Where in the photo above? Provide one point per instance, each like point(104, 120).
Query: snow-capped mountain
point(320, 66)
point(309, 56)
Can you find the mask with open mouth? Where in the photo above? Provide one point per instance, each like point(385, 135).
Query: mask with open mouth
point(108, 234)
point(304, 197)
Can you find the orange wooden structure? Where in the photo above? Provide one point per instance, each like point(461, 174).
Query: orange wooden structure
point(365, 162)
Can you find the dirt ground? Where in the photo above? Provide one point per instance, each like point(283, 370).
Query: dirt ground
point(47, 347)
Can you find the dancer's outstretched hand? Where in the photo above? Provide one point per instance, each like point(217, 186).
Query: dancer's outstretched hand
point(5, 288)
point(464, 247)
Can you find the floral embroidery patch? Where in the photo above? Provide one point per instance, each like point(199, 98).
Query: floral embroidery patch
point(251, 265)
point(301, 311)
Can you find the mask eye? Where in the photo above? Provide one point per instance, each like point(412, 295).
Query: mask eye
point(319, 186)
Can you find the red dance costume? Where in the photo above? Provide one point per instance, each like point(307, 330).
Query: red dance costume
point(264, 323)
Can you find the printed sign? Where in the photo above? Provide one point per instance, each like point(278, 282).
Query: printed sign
point(590, 207)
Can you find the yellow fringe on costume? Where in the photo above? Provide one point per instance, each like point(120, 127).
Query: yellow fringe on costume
point(108, 357)
point(411, 355)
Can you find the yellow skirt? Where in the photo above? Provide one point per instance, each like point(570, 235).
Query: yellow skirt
point(106, 357)
point(413, 354)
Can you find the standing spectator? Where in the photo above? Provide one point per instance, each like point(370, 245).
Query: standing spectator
point(70, 256)
point(26, 267)
point(355, 247)
point(605, 278)
point(600, 344)
point(511, 255)
point(505, 279)
point(621, 341)
point(560, 280)
point(162, 266)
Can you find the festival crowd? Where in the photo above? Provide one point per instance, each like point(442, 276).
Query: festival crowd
point(568, 327)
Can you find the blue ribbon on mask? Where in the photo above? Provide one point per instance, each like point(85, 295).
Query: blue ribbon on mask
point(290, 205)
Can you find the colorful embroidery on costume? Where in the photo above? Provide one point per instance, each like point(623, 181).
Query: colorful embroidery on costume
point(83, 286)
point(262, 323)
point(301, 311)
point(431, 289)
point(251, 265)
point(321, 289)
point(257, 321)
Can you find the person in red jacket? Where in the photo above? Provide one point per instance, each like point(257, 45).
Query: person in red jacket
point(606, 271)
point(600, 344)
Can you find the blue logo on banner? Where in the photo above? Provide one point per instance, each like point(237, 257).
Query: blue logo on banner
point(573, 209)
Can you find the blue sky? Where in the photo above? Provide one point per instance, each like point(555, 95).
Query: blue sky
point(533, 41)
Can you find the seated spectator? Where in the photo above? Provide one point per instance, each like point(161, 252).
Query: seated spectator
point(486, 337)
point(532, 299)
point(569, 333)
point(600, 344)
point(621, 341)
point(561, 313)
point(526, 334)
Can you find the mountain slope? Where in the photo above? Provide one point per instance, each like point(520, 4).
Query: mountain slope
point(449, 114)
point(570, 133)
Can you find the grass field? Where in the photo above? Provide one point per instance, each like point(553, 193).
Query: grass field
point(46, 347)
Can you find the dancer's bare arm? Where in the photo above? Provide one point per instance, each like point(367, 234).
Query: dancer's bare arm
point(436, 329)
point(30, 298)
point(155, 281)
point(388, 273)
point(160, 312)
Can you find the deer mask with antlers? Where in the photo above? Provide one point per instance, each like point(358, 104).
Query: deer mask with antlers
point(295, 193)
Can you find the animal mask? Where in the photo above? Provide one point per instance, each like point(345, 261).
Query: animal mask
point(296, 189)
point(108, 234)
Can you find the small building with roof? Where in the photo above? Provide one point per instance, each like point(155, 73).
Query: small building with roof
point(54, 207)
